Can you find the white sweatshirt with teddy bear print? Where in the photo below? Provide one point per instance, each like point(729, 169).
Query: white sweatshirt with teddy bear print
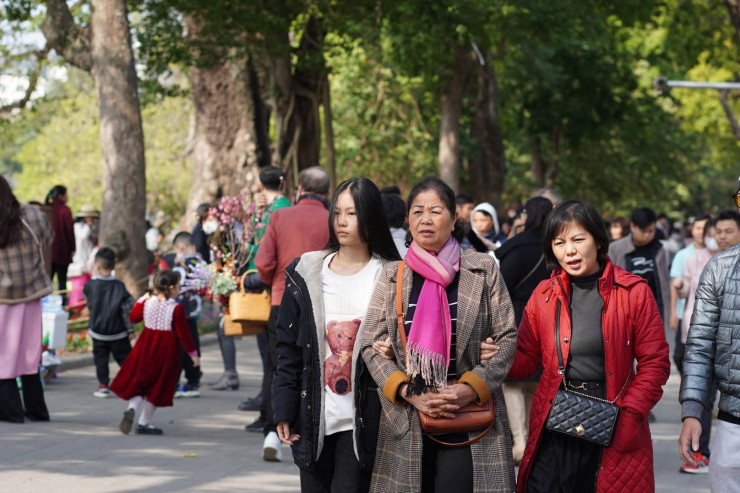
point(345, 302)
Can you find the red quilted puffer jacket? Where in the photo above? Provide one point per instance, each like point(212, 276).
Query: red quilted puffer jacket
point(632, 331)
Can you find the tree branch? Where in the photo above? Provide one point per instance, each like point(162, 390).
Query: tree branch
point(733, 9)
point(33, 79)
point(68, 39)
point(730, 115)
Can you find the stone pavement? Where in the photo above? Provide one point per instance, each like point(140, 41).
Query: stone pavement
point(81, 449)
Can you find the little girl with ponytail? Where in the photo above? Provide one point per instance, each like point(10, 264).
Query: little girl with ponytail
point(148, 376)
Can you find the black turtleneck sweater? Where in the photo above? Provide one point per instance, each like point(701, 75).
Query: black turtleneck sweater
point(586, 359)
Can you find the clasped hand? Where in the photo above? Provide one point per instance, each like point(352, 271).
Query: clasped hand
point(444, 402)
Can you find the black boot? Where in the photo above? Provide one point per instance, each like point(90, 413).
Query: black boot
point(11, 407)
point(33, 398)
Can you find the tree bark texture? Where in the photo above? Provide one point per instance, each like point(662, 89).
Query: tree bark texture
point(223, 151)
point(296, 96)
point(331, 160)
point(308, 78)
point(122, 224)
point(449, 129)
point(539, 166)
point(552, 171)
point(104, 48)
point(488, 167)
point(545, 168)
point(69, 40)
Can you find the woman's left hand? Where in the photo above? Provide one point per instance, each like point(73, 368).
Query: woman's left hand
point(384, 348)
point(451, 399)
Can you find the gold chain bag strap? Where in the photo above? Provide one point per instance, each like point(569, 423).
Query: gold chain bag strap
point(579, 415)
point(469, 418)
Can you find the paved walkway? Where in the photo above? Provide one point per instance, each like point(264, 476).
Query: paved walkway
point(81, 449)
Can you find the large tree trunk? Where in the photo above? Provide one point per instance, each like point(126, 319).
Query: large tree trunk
point(544, 173)
point(308, 78)
point(104, 49)
point(449, 128)
point(296, 96)
point(223, 150)
point(331, 160)
point(122, 224)
point(488, 168)
point(539, 166)
point(554, 168)
point(261, 116)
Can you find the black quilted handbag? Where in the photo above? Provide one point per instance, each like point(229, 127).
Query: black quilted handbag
point(579, 415)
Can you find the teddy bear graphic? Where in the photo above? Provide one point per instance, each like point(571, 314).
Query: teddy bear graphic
point(338, 366)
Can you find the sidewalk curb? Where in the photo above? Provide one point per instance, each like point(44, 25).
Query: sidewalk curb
point(82, 360)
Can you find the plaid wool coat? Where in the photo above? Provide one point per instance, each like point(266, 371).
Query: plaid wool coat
point(22, 273)
point(398, 458)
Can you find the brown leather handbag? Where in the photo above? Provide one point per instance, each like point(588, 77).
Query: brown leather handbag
point(469, 418)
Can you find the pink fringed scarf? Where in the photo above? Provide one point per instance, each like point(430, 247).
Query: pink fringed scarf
point(428, 346)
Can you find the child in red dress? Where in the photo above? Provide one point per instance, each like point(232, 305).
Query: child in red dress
point(148, 376)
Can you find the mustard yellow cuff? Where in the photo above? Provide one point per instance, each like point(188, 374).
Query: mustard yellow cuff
point(482, 394)
point(390, 389)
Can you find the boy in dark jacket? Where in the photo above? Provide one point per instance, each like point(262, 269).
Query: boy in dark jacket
point(109, 304)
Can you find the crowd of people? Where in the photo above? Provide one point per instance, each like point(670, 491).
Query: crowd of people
point(397, 325)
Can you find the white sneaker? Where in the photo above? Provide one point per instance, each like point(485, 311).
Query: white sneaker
point(272, 448)
point(102, 392)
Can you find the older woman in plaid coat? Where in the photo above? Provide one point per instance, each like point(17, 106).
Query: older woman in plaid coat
point(400, 453)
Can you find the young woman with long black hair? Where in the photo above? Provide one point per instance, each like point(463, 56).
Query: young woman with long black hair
point(324, 401)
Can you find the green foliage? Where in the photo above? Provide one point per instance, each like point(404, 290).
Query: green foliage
point(65, 148)
point(575, 75)
point(378, 125)
point(60, 144)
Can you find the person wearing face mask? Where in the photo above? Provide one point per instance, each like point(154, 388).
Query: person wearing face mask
point(210, 225)
point(712, 358)
point(728, 227)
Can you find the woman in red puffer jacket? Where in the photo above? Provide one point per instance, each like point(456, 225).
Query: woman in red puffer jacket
point(608, 320)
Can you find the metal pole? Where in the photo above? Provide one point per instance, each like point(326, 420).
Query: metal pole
point(662, 85)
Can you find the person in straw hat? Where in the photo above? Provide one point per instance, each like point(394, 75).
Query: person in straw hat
point(86, 239)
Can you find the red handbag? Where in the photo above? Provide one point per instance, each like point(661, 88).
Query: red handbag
point(469, 418)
